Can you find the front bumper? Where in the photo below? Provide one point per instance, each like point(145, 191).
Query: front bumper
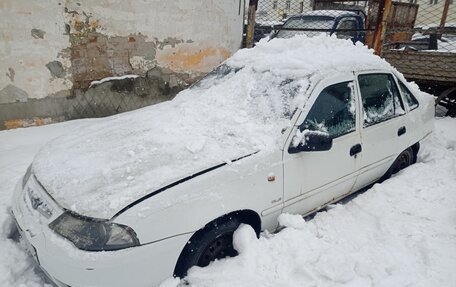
point(65, 265)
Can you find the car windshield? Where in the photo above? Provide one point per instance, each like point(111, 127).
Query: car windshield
point(306, 22)
point(213, 78)
point(267, 90)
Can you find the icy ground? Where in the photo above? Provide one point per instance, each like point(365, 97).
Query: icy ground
point(399, 233)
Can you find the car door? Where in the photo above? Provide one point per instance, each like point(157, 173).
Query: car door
point(413, 119)
point(383, 125)
point(313, 178)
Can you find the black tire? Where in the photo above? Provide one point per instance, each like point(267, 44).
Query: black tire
point(10, 228)
point(405, 159)
point(214, 241)
point(415, 148)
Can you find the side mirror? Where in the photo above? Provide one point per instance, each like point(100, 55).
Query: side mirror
point(310, 141)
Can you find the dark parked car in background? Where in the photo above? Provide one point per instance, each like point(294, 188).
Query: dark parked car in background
point(344, 24)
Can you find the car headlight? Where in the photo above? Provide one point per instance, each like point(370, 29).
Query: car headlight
point(92, 234)
point(26, 176)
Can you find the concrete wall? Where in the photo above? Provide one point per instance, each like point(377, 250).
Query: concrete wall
point(50, 52)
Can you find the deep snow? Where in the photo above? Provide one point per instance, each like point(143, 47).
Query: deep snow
point(399, 233)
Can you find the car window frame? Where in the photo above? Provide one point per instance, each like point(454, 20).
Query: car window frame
point(318, 84)
point(409, 109)
point(353, 93)
point(378, 72)
point(347, 19)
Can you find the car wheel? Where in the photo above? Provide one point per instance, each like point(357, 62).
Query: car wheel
point(214, 241)
point(405, 159)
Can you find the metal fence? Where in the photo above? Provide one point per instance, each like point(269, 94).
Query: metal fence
point(115, 96)
point(285, 18)
point(429, 27)
point(410, 23)
point(424, 50)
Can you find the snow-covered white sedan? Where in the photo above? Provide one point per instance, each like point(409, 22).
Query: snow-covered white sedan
point(288, 126)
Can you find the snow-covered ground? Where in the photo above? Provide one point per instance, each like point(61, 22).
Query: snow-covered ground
point(399, 233)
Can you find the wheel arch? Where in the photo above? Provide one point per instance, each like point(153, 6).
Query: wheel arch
point(246, 216)
point(411, 149)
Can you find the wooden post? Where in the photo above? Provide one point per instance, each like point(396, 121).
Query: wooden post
point(444, 17)
point(250, 23)
point(384, 9)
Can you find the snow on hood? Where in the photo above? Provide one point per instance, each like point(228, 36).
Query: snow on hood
point(238, 109)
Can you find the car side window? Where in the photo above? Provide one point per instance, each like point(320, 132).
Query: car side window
point(381, 98)
point(333, 111)
point(347, 24)
point(412, 102)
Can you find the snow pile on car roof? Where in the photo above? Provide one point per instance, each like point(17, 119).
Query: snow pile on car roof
point(302, 56)
point(239, 109)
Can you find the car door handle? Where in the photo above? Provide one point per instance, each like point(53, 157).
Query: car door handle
point(401, 131)
point(356, 149)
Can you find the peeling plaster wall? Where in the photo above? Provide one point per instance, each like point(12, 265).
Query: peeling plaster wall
point(24, 55)
point(52, 50)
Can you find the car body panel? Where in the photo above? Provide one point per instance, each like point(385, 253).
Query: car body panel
point(380, 142)
point(241, 185)
point(309, 175)
point(419, 121)
point(66, 265)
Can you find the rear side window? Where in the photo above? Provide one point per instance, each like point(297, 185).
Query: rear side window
point(333, 111)
point(347, 24)
point(381, 98)
point(410, 99)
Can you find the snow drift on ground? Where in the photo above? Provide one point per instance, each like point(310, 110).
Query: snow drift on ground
point(239, 109)
point(399, 233)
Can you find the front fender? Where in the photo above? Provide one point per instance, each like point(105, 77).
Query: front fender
point(189, 206)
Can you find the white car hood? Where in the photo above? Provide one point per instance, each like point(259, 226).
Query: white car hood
point(98, 170)
point(111, 162)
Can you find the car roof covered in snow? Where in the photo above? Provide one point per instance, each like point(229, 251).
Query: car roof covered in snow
point(302, 56)
point(239, 109)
